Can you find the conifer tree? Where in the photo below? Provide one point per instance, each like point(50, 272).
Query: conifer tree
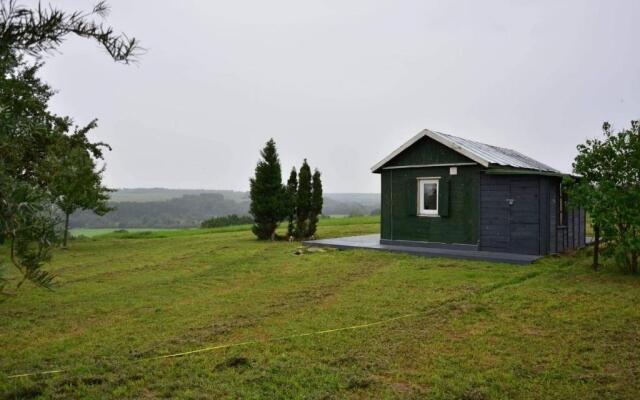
point(316, 203)
point(292, 190)
point(268, 195)
point(303, 200)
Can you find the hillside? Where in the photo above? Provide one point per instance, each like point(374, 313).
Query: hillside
point(263, 322)
point(182, 208)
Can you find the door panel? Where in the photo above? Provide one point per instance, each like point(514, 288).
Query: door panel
point(509, 214)
point(494, 215)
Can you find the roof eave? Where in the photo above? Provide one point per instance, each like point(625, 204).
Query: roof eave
point(497, 169)
point(454, 146)
point(377, 167)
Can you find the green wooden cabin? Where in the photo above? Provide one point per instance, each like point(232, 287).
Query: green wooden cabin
point(445, 191)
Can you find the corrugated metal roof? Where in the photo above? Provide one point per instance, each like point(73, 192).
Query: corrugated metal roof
point(498, 155)
point(481, 153)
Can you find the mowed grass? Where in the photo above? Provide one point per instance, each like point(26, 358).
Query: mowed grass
point(474, 330)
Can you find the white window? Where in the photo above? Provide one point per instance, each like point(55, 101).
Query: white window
point(428, 196)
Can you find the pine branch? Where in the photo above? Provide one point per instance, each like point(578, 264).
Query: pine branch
point(43, 29)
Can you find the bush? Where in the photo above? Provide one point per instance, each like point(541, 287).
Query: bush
point(227, 220)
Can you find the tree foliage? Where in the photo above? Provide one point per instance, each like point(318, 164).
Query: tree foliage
point(303, 200)
point(39, 30)
point(609, 190)
point(227, 220)
point(30, 133)
point(316, 203)
point(74, 179)
point(292, 191)
point(268, 195)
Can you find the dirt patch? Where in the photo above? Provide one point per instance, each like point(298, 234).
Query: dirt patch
point(233, 362)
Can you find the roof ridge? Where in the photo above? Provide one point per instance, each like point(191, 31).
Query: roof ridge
point(484, 154)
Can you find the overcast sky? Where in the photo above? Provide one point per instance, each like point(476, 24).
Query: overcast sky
point(343, 83)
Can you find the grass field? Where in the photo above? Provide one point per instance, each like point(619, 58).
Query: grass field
point(466, 330)
point(93, 232)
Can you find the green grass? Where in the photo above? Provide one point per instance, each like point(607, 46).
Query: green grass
point(555, 329)
point(93, 232)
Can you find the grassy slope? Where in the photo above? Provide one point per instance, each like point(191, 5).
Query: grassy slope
point(552, 330)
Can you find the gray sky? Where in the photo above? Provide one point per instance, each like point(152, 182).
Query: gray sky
point(344, 83)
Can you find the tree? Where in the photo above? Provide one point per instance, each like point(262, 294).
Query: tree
point(303, 200)
point(29, 131)
point(268, 195)
point(75, 181)
point(292, 190)
point(609, 190)
point(316, 203)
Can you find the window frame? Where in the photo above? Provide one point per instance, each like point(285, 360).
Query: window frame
point(422, 212)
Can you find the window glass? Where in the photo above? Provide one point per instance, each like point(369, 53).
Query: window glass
point(430, 200)
point(428, 196)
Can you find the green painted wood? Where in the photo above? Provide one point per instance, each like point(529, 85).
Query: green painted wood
point(385, 205)
point(443, 197)
point(400, 220)
point(427, 151)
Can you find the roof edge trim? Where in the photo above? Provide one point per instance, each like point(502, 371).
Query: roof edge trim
point(443, 140)
point(399, 150)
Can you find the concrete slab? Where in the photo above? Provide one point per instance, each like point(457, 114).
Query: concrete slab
point(373, 242)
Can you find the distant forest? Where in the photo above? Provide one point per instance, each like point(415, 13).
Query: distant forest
point(177, 208)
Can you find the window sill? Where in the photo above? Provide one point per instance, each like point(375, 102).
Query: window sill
point(428, 215)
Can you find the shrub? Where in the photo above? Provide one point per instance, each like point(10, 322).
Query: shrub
point(227, 220)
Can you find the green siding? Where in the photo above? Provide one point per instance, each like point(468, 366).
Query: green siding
point(427, 151)
point(399, 206)
point(385, 205)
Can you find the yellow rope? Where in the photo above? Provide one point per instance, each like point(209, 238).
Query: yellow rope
point(352, 327)
point(247, 343)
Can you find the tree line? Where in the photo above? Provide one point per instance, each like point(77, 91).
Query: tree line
point(272, 202)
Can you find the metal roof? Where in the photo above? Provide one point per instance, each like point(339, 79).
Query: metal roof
point(481, 153)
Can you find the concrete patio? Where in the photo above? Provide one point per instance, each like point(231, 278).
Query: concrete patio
point(373, 242)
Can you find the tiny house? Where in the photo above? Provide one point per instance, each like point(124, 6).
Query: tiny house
point(444, 191)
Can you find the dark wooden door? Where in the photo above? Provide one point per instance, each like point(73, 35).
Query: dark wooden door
point(509, 214)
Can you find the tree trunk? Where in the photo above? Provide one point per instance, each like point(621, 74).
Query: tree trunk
point(596, 246)
point(66, 230)
point(634, 262)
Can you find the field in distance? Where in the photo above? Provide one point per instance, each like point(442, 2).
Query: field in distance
point(418, 327)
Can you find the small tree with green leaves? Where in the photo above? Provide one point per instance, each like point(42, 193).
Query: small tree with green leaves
point(316, 203)
point(303, 200)
point(609, 190)
point(75, 180)
point(268, 195)
point(292, 191)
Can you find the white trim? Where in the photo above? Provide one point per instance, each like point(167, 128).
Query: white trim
point(438, 138)
point(422, 212)
point(399, 150)
point(431, 165)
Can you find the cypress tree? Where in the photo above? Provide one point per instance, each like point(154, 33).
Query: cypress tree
point(292, 190)
point(303, 199)
point(316, 203)
point(268, 201)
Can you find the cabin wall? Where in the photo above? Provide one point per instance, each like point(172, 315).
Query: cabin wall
point(399, 216)
point(565, 237)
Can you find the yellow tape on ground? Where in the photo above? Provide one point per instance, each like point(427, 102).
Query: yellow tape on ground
point(432, 310)
point(247, 343)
